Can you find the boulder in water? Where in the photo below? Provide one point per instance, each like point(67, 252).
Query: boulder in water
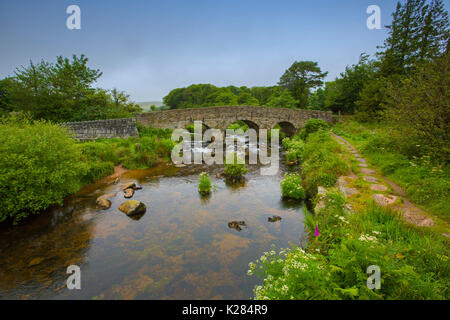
point(132, 207)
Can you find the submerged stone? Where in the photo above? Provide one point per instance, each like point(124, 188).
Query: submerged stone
point(237, 225)
point(103, 201)
point(274, 219)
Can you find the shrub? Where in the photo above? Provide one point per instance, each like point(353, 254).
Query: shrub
point(39, 165)
point(204, 183)
point(233, 169)
point(291, 157)
point(321, 165)
point(291, 187)
point(311, 126)
point(295, 147)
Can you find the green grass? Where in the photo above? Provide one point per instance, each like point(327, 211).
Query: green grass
point(204, 184)
point(413, 261)
point(153, 146)
point(426, 183)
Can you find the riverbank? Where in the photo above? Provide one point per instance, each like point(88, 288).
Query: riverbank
point(41, 163)
point(348, 233)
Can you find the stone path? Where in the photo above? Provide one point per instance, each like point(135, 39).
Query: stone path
point(378, 183)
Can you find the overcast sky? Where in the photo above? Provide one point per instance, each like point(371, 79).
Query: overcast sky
point(147, 48)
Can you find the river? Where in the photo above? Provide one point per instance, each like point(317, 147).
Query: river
point(182, 248)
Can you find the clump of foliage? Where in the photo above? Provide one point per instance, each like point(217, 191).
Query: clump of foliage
point(419, 108)
point(39, 165)
point(413, 260)
point(311, 126)
point(233, 169)
point(238, 125)
point(153, 146)
point(295, 148)
point(321, 164)
point(204, 184)
point(291, 187)
point(283, 99)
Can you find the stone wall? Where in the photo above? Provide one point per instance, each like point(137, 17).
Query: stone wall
point(112, 128)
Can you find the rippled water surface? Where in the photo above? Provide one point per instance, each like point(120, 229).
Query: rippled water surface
point(182, 248)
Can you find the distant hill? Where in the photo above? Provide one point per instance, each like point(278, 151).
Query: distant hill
point(146, 105)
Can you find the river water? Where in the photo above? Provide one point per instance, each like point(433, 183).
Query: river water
point(182, 248)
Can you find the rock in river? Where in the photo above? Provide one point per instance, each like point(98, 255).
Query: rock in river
point(132, 207)
point(103, 201)
point(128, 193)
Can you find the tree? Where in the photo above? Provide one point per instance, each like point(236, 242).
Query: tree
point(419, 108)
point(63, 92)
point(342, 94)
point(226, 98)
point(419, 32)
point(246, 99)
point(317, 100)
point(5, 96)
point(283, 99)
point(300, 78)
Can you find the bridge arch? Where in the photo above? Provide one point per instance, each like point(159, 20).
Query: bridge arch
point(287, 128)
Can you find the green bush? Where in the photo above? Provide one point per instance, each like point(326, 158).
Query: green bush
point(312, 126)
point(291, 157)
point(204, 183)
point(321, 164)
point(233, 169)
point(39, 165)
point(291, 187)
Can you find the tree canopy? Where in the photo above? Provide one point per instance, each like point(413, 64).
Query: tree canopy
point(300, 78)
point(62, 91)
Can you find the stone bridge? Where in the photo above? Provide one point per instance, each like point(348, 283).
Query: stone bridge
point(290, 120)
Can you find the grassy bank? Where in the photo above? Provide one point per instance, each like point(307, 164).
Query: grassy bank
point(41, 163)
point(150, 148)
point(425, 182)
point(413, 261)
